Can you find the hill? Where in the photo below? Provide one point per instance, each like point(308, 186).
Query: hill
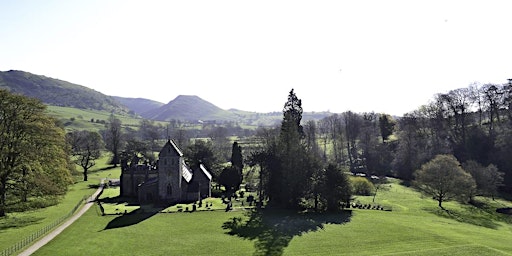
point(190, 108)
point(194, 108)
point(139, 105)
point(57, 92)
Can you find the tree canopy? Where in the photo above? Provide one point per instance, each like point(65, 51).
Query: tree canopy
point(443, 178)
point(86, 147)
point(33, 151)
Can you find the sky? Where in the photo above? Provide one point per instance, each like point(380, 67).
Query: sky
point(383, 56)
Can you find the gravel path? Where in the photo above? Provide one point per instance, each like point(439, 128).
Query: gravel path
point(47, 238)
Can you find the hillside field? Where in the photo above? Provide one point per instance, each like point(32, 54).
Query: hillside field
point(415, 226)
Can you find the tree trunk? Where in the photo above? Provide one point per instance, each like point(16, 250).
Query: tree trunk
point(440, 203)
point(375, 193)
point(316, 202)
point(24, 192)
point(85, 174)
point(2, 196)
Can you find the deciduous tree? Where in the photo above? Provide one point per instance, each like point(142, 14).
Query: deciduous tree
point(86, 148)
point(386, 126)
point(202, 152)
point(488, 179)
point(32, 149)
point(113, 138)
point(443, 178)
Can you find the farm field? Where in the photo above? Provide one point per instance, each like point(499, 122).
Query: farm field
point(80, 119)
point(415, 226)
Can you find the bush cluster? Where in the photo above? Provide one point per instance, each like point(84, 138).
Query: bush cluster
point(362, 186)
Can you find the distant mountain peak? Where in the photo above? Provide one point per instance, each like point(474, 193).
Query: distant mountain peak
point(190, 108)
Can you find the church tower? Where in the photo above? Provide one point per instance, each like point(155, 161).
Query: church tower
point(170, 164)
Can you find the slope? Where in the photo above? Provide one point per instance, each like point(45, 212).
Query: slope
point(190, 108)
point(57, 92)
point(139, 105)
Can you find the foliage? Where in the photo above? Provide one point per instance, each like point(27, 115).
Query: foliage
point(230, 178)
point(294, 165)
point(362, 186)
point(237, 159)
point(32, 150)
point(113, 138)
point(151, 132)
point(337, 188)
point(138, 150)
point(444, 179)
point(386, 125)
point(86, 147)
point(488, 179)
point(201, 152)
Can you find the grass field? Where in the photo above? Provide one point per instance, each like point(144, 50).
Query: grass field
point(414, 227)
point(17, 226)
point(80, 119)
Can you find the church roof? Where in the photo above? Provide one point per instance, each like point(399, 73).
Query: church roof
point(206, 172)
point(186, 173)
point(170, 148)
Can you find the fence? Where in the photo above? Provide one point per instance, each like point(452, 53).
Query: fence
point(34, 236)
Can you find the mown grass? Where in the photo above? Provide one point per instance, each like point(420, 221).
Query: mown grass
point(411, 228)
point(16, 226)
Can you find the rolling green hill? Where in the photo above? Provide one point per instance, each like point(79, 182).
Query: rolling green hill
point(139, 105)
point(190, 108)
point(57, 92)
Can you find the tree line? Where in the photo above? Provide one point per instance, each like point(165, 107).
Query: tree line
point(473, 124)
point(468, 128)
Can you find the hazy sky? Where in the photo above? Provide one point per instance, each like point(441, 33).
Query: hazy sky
point(382, 56)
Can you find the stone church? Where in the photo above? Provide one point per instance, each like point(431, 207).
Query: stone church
point(169, 181)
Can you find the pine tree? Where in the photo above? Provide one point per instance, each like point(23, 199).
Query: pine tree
point(295, 170)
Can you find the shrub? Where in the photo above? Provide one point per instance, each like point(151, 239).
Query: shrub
point(217, 192)
point(362, 186)
point(33, 204)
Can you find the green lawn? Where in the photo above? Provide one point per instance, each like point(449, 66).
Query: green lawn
point(414, 227)
point(17, 226)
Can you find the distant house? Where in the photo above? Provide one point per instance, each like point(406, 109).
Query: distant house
point(168, 181)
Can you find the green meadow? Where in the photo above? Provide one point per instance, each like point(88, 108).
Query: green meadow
point(80, 119)
point(415, 226)
point(19, 225)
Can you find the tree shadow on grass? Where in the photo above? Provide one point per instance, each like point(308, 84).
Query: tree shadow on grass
point(132, 218)
point(18, 222)
point(273, 230)
point(468, 214)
